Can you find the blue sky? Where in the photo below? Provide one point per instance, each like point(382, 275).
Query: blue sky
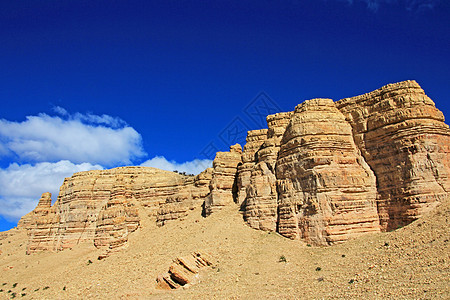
point(99, 84)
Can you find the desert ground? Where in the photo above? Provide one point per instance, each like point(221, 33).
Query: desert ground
point(409, 263)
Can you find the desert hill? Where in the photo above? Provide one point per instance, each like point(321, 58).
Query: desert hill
point(369, 175)
point(409, 263)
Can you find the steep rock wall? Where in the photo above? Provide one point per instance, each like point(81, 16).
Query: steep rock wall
point(324, 173)
point(223, 188)
point(104, 206)
point(261, 199)
point(326, 190)
point(404, 139)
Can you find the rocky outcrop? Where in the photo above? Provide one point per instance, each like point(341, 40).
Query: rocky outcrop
point(260, 192)
point(105, 206)
point(404, 139)
point(42, 225)
point(191, 195)
point(183, 271)
point(223, 188)
point(326, 190)
point(324, 173)
point(116, 220)
point(255, 138)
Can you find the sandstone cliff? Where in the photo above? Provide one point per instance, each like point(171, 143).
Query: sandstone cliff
point(324, 173)
point(105, 206)
point(404, 139)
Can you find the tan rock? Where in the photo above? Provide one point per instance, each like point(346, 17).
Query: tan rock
point(404, 139)
point(255, 138)
point(223, 189)
point(183, 271)
point(323, 173)
point(261, 198)
point(104, 206)
point(326, 190)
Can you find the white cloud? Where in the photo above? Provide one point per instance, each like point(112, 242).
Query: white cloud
point(79, 138)
point(195, 166)
point(22, 185)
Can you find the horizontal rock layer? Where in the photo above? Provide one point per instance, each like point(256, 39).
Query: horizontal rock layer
point(105, 206)
point(324, 173)
point(342, 168)
point(404, 139)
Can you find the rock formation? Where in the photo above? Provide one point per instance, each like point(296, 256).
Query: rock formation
point(324, 173)
point(326, 190)
point(259, 191)
point(183, 271)
point(105, 206)
point(404, 139)
point(223, 186)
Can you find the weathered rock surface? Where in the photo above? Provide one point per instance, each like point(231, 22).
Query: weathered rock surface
point(324, 173)
point(260, 192)
point(183, 271)
point(326, 190)
point(223, 188)
point(104, 206)
point(404, 139)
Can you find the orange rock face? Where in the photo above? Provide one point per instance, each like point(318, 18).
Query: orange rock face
point(330, 171)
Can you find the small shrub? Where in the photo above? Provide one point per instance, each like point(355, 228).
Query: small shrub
point(351, 281)
point(343, 255)
point(23, 294)
point(64, 288)
point(36, 290)
point(46, 288)
point(282, 259)
point(13, 295)
point(89, 262)
point(24, 289)
point(308, 245)
point(320, 279)
point(4, 283)
point(318, 269)
point(14, 285)
point(1, 290)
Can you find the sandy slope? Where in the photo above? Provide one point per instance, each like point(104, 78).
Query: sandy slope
point(411, 263)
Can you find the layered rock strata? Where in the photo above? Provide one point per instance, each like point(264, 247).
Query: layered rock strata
point(324, 173)
point(326, 192)
point(105, 206)
point(260, 192)
point(183, 271)
point(255, 138)
point(223, 188)
point(404, 139)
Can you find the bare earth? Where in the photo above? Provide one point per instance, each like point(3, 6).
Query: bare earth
point(409, 263)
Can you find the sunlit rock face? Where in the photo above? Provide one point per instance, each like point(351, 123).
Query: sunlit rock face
point(404, 139)
point(105, 206)
point(325, 172)
point(332, 170)
point(326, 190)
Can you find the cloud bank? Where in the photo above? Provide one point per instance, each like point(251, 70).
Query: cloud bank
point(195, 166)
point(22, 185)
point(78, 138)
point(48, 149)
